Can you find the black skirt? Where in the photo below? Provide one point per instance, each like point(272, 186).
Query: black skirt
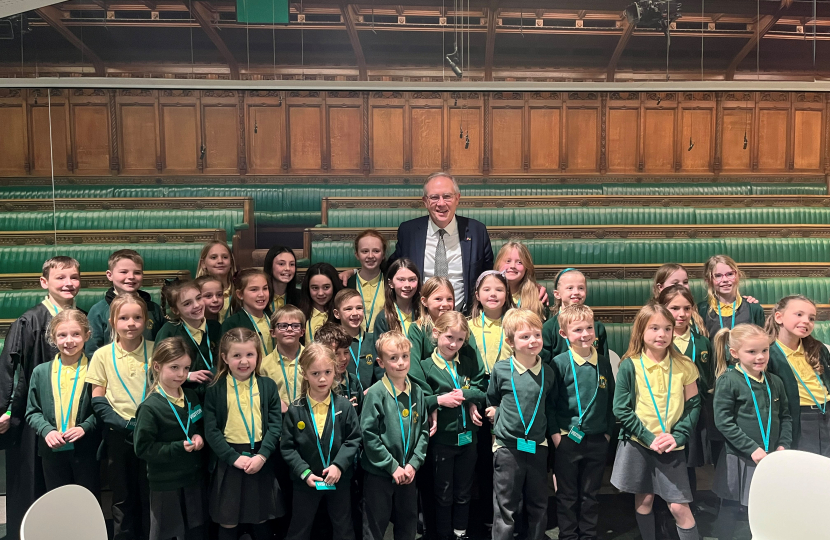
point(174, 512)
point(237, 497)
point(699, 446)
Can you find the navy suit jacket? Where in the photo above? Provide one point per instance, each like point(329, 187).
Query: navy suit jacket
point(476, 251)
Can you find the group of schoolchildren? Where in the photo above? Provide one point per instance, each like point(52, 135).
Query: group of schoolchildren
point(255, 404)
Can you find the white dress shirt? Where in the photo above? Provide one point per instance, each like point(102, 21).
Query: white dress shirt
point(452, 242)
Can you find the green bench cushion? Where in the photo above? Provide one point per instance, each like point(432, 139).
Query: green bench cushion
point(14, 303)
point(93, 258)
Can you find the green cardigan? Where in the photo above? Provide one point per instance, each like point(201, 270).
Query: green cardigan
point(216, 416)
point(40, 412)
point(240, 319)
point(704, 360)
point(554, 344)
point(199, 355)
point(712, 321)
point(599, 417)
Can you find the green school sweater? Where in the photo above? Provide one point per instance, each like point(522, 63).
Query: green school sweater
point(380, 423)
point(704, 360)
point(508, 425)
point(779, 366)
point(40, 412)
point(299, 441)
point(625, 401)
point(554, 344)
point(99, 321)
point(746, 313)
point(599, 417)
point(240, 319)
point(216, 417)
point(735, 415)
point(367, 368)
point(200, 355)
point(349, 388)
point(159, 440)
point(473, 384)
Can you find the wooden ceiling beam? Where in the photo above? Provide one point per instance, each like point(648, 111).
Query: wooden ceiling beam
point(765, 24)
point(490, 45)
point(201, 12)
point(348, 20)
point(618, 50)
point(53, 16)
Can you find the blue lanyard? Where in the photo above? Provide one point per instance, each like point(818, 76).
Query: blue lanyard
point(454, 376)
point(404, 436)
point(368, 318)
point(822, 407)
point(516, 397)
point(694, 348)
point(65, 419)
point(356, 360)
point(256, 328)
point(484, 344)
point(668, 393)
point(764, 436)
point(519, 303)
point(115, 365)
point(53, 305)
point(401, 320)
point(285, 375)
point(173, 408)
point(576, 390)
point(326, 462)
point(249, 431)
point(274, 302)
point(733, 312)
point(207, 337)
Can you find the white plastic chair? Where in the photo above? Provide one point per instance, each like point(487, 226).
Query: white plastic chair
point(614, 358)
point(788, 495)
point(69, 513)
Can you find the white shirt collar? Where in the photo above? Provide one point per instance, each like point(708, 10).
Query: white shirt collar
point(452, 228)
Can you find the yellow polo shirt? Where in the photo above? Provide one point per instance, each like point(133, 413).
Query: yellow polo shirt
point(235, 432)
point(798, 363)
point(683, 373)
point(264, 326)
point(317, 319)
point(493, 335)
point(62, 399)
point(367, 293)
point(406, 321)
point(277, 302)
point(53, 308)
point(132, 368)
point(272, 369)
point(321, 412)
point(196, 332)
point(177, 401)
point(682, 342)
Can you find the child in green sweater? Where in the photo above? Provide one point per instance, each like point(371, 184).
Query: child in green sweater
point(751, 412)
point(168, 436)
point(395, 438)
point(250, 307)
point(522, 407)
point(348, 309)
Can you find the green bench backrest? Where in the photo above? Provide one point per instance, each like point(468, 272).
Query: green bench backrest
point(93, 258)
point(14, 303)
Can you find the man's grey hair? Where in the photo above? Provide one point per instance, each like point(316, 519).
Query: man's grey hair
point(442, 174)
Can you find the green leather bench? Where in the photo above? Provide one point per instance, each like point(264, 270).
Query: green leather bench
point(14, 303)
point(93, 258)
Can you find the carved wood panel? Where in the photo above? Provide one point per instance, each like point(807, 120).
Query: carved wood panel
point(507, 130)
point(344, 136)
point(387, 149)
point(305, 137)
point(44, 150)
point(181, 146)
point(265, 135)
point(623, 125)
point(544, 139)
point(91, 128)
point(427, 138)
point(138, 137)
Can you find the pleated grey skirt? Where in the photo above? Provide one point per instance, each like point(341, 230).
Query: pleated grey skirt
point(237, 497)
point(174, 512)
point(733, 475)
point(638, 469)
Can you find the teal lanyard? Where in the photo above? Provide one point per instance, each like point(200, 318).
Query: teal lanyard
point(363, 301)
point(694, 348)
point(764, 436)
point(248, 430)
point(576, 390)
point(173, 408)
point(65, 419)
point(405, 436)
point(326, 462)
point(53, 305)
point(516, 397)
point(308, 336)
point(668, 393)
point(115, 365)
point(356, 360)
point(519, 303)
point(274, 303)
point(403, 324)
point(484, 344)
point(285, 375)
point(454, 376)
point(256, 329)
point(209, 363)
point(735, 303)
point(822, 407)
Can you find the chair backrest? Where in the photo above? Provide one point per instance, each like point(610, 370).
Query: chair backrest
point(69, 513)
point(788, 494)
point(614, 358)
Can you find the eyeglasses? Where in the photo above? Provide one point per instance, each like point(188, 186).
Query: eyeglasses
point(721, 277)
point(285, 327)
point(434, 199)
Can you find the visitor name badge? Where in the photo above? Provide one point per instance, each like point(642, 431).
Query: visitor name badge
point(322, 486)
point(65, 448)
point(465, 438)
point(524, 445)
point(575, 435)
point(131, 424)
point(196, 414)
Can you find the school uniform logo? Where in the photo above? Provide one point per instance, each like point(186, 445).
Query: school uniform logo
point(704, 356)
point(150, 324)
point(603, 382)
point(301, 425)
point(596, 343)
point(466, 385)
point(369, 359)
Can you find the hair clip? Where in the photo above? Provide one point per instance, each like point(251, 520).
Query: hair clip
point(487, 273)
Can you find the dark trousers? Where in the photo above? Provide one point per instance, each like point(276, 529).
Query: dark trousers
point(282, 474)
point(382, 499)
point(579, 469)
point(127, 476)
point(453, 469)
point(24, 479)
point(425, 483)
point(520, 482)
point(482, 504)
point(358, 479)
point(73, 467)
point(815, 432)
point(306, 501)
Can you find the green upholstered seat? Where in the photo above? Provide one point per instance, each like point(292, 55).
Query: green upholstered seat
point(14, 303)
point(93, 258)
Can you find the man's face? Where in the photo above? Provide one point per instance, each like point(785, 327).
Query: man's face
point(441, 201)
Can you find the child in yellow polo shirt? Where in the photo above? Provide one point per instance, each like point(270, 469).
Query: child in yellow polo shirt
point(282, 365)
point(370, 250)
point(657, 402)
point(118, 373)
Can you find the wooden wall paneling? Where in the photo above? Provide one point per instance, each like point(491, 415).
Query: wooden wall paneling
point(44, 147)
point(658, 133)
point(507, 132)
point(582, 119)
point(13, 147)
point(467, 115)
point(138, 132)
point(265, 131)
point(386, 126)
point(345, 119)
point(738, 120)
point(305, 131)
point(808, 131)
point(426, 133)
point(90, 121)
point(220, 130)
point(544, 131)
point(623, 132)
point(773, 113)
point(697, 117)
point(181, 134)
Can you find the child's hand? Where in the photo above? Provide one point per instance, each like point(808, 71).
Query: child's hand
point(399, 476)
point(5, 422)
point(608, 437)
point(353, 399)
point(198, 442)
point(241, 462)
point(201, 376)
point(490, 412)
point(433, 422)
point(667, 443)
point(410, 474)
point(758, 455)
point(255, 464)
point(283, 406)
point(331, 474)
point(658, 442)
point(780, 448)
point(311, 479)
point(750, 300)
point(475, 416)
point(54, 440)
point(543, 295)
point(452, 399)
point(365, 391)
point(72, 435)
point(556, 438)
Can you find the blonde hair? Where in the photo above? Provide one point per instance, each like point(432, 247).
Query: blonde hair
point(557, 302)
point(709, 274)
point(391, 341)
point(516, 319)
point(67, 315)
point(431, 286)
point(164, 352)
point(636, 345)
point(528, 287)
point(734, 338)
point(61, 261)
point(812, 346)
point(311, 354)
point(452, 320)
point(232, 337)
point(287, 311)
point(201, 270)
point(120, 301)
point(574, 313)
point(343, 295)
